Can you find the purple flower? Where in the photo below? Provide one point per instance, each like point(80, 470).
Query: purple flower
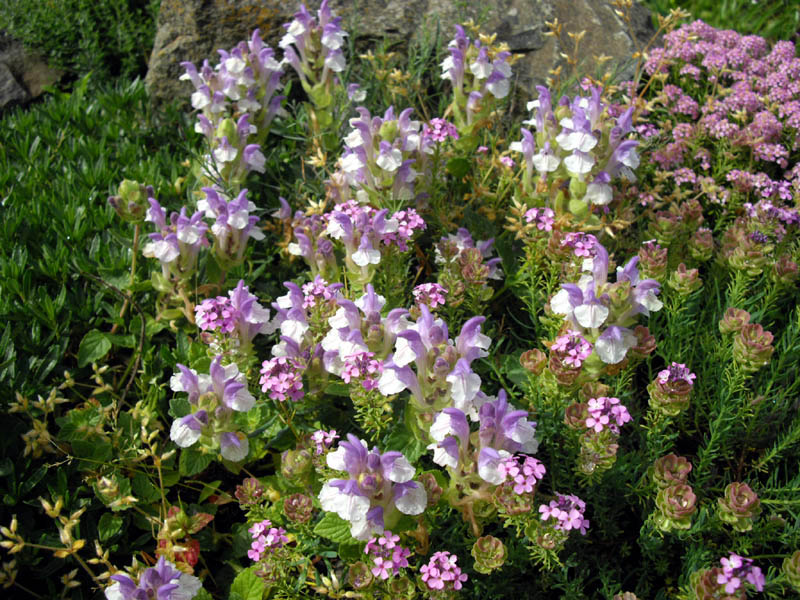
point(567, 511)
point(378, 484)
point(161, 582)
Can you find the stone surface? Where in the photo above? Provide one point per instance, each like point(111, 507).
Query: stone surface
point(23, 74)
point(194, 29)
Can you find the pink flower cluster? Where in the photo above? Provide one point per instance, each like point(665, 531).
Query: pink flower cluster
point(216, 313)
point(387, 555)
point(439, 130)
point(542, 217)
point(442, 572)
point(524, 471)
point(324, 439)
point(318, 290)
point(568, 513)
point(573, 348)
point(266, 539)
point(363, 366)
point(676, 372)
point(408, 221)
point(583, 244)
point(429, 294)
point(282, 377)
point(736, 570)
point(606, 413)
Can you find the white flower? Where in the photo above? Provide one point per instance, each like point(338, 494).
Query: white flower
point(413, 501)
point(591, 315)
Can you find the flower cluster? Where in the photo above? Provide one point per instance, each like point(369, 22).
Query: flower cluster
point(382, 159)
point(442, 573)
point(524, 472)
point(213, 399)
point(282, 379)
point(542, 218)
point(671, 389)
point(480, 73)
point(248, 77)
point(238, 317)
point(176, 244)
point(163, 581)
point(314, 50)
point(388, 557)
point(736, 571)
point(438, 130)
point(378, 489)
point(577, 141)
point(366, 234)
point(431, 295)
point(593, 303)
point(323, 439)
point(466, 266)
point(567, 513)
point(266, 539)
point(606, 413)
point(233, 225)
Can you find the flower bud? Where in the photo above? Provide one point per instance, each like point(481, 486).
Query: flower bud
point(511, 503)
point(533, 361)
point(733, 320)
point(676, 505)
point(692, 213)
point(784, 271)
point(670, 391)
point(704, 586)
point(402, 587)
point(565, 374)
point(227, 129)
point(791, 569)
point(432, 488)
point(296, 465)
point(489, 554)
point(249, 492)
point(645, 342)
point(298, 508)
point(665, 227)
point(685, 281)
point(359, 575)
point(598, 451)
point(669, 470)
point(575, 415)
point(701, 245)
point(752, 347)
point(130, 203)
point(739, 506)
point(652, 261)
point(594, 389)
point(625, 596)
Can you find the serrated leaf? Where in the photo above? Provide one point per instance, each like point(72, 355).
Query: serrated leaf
point(247, 585)
point(334, 528)
point(193, 462)
point(108, 526)
point(402, 440)
point(94, 346)
point(179, 407)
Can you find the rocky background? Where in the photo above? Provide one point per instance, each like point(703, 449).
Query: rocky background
point(194, 29)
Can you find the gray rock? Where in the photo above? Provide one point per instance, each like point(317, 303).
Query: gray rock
point(23, 74)
point(194, 29)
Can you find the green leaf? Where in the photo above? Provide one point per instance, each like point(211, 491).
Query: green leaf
point(179, 407)
point(350, 552)
point(458, 167)
point(402, 440)
point(334, 528)
point(193, 462)
point(208, 490)
point(94, 346)
point(144, 489)
point(247, 586)
point(109, 526)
